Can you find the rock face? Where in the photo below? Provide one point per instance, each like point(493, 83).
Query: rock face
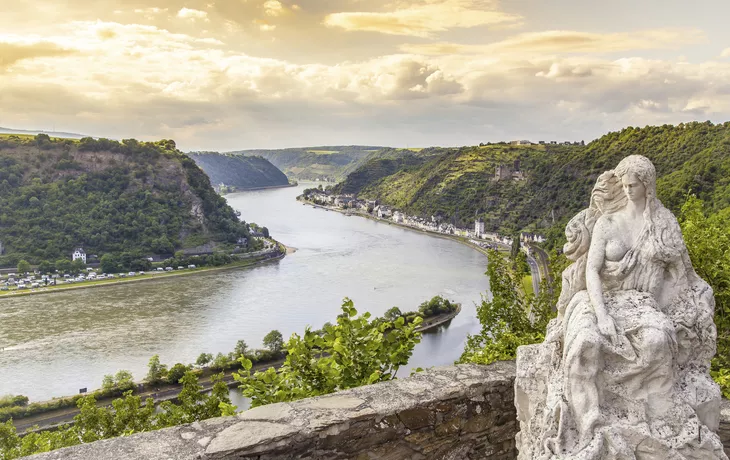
point(624, 370)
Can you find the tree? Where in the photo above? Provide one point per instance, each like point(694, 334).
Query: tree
point(354, 352)
point(221, 362)
point(63, 265)
point(509, 319)
point(45, 267)
point(124, 380)
point(392, 314)
point(23, 266)
point(203, 359)
point(274, 341)
point(176, 372)
point(77, 266)
point(240, 349)
point(708, 245)
point(109, 263)
point(265, 231)
point(156, 371)
point(107, 384)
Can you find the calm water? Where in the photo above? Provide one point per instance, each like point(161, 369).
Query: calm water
point(52, 345)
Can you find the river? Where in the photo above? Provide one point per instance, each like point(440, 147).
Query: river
point(52, 345)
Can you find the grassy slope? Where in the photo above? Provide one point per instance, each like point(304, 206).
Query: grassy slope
point(457, 183)
point(308, 163)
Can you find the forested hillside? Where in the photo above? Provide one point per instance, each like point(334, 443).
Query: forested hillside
point(458, 184)
point(243, 172)
point(107, 196)
point(310, 163)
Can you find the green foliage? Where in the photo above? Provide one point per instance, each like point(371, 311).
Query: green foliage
point(274, 341)
point(126, 416)
point(238, 170)
point(221, 362)
point(310, 163)
point(156, 371)
point(13, 401)
point(203, 359)
point(240, 348)
point(392, 314)
point(456, 184)
point(351, 353)
point(134, 197)
point(510, 318)
point(436, 306)
point(176, 372)
point(23, 266)
point(708, 243)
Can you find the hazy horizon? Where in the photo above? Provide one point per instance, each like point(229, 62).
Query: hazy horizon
point(266, 74)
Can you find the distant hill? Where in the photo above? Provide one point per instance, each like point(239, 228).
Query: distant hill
point(107, 196)
point(243, 172)
point(311, 163)
point(31, 132)
point(459, 184)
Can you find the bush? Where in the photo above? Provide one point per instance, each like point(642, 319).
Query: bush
point(13, 401)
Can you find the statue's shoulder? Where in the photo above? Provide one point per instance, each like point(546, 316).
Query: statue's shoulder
point(605, 224)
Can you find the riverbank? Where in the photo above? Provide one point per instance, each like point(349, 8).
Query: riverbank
point(52, 419)
point(248, 262)
point(536, 276)
point(253, 189)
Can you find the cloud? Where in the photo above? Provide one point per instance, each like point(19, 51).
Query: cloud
point(13, 52)
point(423, 19)
point(562, 41)
point(273, 8)
point(189, 13)
point(725, 53)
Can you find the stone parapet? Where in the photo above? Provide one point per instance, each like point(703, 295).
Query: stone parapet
point(456, 412)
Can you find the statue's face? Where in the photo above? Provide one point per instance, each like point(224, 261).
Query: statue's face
point(633, 187)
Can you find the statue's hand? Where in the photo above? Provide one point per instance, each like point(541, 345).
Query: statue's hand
point(607, 327)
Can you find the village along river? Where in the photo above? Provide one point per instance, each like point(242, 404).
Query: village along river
point(52, 345)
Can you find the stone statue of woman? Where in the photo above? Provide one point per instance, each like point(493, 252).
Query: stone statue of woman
point(624, 370)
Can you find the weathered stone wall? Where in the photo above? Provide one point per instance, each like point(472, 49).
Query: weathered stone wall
point(456, 412)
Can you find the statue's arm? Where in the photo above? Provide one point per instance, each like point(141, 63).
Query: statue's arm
point(594, 264)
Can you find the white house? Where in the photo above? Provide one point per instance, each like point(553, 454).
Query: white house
point(398, 217)
point(384, 211)
point(479, 227)
point(79, 254)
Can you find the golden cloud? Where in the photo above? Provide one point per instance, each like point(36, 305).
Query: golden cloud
point(423, 19)
point(561, 41)
point(189, 13)
point(13, 52)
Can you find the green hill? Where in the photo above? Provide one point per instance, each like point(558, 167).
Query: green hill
point(310, 163)
point(458, 184)
point(243, 172)
point(107, 196)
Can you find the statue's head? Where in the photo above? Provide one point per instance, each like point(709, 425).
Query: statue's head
point(637, 176)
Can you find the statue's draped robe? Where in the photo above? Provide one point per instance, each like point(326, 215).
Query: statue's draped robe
point(656, 398)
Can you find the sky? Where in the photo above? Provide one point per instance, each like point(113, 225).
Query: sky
point(237, 74)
